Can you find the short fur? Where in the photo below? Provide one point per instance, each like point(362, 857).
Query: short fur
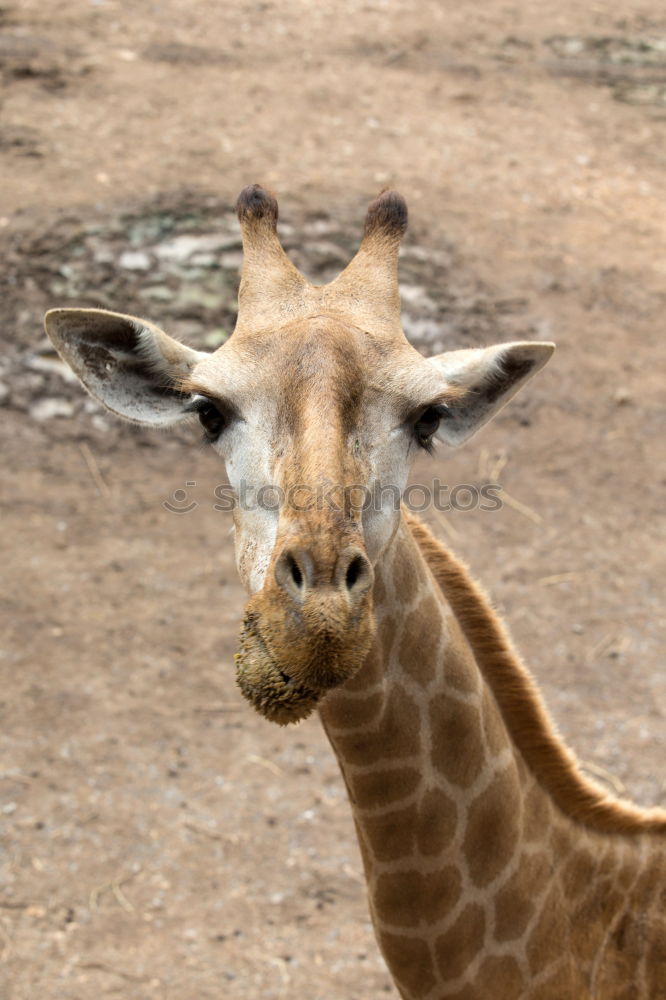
point(520, 702)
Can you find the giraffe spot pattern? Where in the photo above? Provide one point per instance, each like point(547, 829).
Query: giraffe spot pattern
point(493, 828)
point(397, 733)
point(437, 822)
point(576, 874)
point(352, 713)
point(513, 910)
point(468, 992)
point(550, 938)
point(461, 943)
point(388, 634)
point(457, 673)
point(514, 902)
point(420, 641)
point(499, 976)
point(656, 965)
point(405, 899)
point(379, 595)
point(557, 986)
point(390, 836)
point(369, 674)
point(493, 726)
point(457, 747)
point(409, 961)
point(537, 814)
point(384, 787)
point(409, 577)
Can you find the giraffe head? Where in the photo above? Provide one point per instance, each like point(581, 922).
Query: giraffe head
point(317, 404)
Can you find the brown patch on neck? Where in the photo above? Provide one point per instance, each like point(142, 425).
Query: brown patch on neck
point(525, 716)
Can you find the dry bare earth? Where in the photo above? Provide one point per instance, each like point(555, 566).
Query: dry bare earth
point(159, 840)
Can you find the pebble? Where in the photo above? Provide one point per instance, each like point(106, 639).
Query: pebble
point(100, 423)
point(181, 248)
point(134, 260)
point(51, 366)
point(416, 295)
point(46, 409)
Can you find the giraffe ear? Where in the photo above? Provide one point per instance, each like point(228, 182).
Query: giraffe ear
point(481, 381)
point(129, 365)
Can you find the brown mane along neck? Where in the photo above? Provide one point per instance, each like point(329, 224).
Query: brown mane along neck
point(520, 704)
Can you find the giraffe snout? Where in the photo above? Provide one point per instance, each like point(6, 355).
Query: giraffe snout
point(301, 575)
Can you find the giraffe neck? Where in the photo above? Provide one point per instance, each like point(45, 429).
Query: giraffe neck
point(479, 883)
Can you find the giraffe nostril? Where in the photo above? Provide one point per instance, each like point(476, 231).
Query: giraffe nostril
point(295, 572)
point(354, 571)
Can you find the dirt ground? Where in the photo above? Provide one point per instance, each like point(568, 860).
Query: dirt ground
point(158, 839)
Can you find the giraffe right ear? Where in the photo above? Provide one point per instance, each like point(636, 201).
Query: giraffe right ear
point(483, 380)
point(129, 365)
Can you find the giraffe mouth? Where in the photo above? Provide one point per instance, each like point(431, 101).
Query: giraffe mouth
point(269, 689)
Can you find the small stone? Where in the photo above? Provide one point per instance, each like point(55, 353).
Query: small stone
point(622, 397)
point(571, 46)
point(159, 293)
point(103, 256)
point(46, 409)
point(415, 295)
point(134, 260)
point(50, 364)
point(577, 629)
point(100, 424)
point(423, 330)
point(206, 260)
point(182, 248)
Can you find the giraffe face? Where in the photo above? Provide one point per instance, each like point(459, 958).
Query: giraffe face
point(316, 404)
point(317, 424)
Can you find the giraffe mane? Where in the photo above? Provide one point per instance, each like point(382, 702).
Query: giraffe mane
point(520, 703)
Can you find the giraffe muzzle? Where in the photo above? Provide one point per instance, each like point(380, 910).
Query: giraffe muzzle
point(268, 688)
point(302, 636)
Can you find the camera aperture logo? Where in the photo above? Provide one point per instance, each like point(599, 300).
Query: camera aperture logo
point(301, 498)
point(180, 502)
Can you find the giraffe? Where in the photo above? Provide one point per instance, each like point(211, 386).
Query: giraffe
point(494, 867)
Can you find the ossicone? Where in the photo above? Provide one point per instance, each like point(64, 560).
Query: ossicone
point(387, 214)
point(256, 204)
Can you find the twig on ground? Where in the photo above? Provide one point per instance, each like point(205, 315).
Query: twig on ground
point(555, 578)
point(268, 764)
point(93, 469)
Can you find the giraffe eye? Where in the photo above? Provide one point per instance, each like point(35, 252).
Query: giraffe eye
point(427, 425)
point(211, 420)
point(211, 417)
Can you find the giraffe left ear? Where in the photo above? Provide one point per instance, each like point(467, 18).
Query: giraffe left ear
point(128, 364)
point(482, 381)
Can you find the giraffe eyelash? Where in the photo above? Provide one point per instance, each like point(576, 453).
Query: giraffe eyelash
point(213, 417)
point(427, 425)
